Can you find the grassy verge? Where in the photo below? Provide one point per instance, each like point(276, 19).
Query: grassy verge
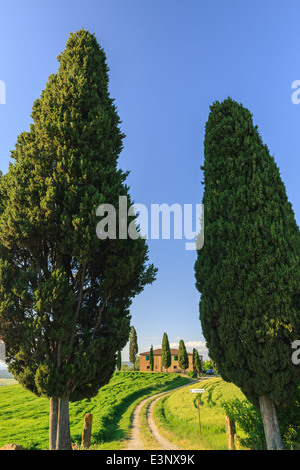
point(176, 415)
point(24, 418)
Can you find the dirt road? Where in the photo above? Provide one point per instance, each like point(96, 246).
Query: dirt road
point(135, 442)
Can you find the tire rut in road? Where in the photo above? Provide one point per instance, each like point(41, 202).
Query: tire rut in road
point(135, 441)
point(162, 441)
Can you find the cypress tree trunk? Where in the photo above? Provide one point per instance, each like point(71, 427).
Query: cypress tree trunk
point(270, 423)
point(53, 419)
point(63, 440)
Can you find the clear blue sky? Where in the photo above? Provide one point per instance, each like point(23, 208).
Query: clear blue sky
point(169, 60)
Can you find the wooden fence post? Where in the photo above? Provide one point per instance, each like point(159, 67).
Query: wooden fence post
point(87, 431)
point(231, 433)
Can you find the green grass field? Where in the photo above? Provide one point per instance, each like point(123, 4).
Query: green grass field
point(24, 418)
point(177, 415)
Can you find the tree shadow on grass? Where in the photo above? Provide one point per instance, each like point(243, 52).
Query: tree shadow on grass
point(207, 398)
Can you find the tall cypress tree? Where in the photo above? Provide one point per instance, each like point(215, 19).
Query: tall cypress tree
point(183, 360)
point(196, 361)
point(133, 346)
point(166, 353)
point(248, 270)
point(151, 359)
point(64, 293)
point(119, 360)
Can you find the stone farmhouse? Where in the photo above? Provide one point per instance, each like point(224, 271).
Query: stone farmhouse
point(158, 367)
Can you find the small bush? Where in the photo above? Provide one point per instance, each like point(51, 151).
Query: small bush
point(192, 374)
point(249, 424)
point(248, 421)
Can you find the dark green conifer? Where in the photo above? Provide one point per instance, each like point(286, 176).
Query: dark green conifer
point(183, 360)
point(151, 358)
point(119, 361)
point(166, 353)
point(196, 361)
point(133, 346)
point(248, 270)
point(65, 294)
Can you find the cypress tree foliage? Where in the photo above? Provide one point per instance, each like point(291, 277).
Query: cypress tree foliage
point(248, 270)
point(196, 361)
point(133, 346)
point(183, 360)
point(151, 358)
point(64, 293)
point(119, 361)
point(166, 353)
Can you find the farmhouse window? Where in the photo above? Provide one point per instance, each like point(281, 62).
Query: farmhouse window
point(175, 358)
point(147, 358)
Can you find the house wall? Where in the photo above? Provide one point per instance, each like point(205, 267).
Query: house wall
point(145, 365)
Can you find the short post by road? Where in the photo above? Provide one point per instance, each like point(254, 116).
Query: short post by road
point(87, 431)
point(198, 391)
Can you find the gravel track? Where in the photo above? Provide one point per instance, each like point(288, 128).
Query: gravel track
point(135, 442)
